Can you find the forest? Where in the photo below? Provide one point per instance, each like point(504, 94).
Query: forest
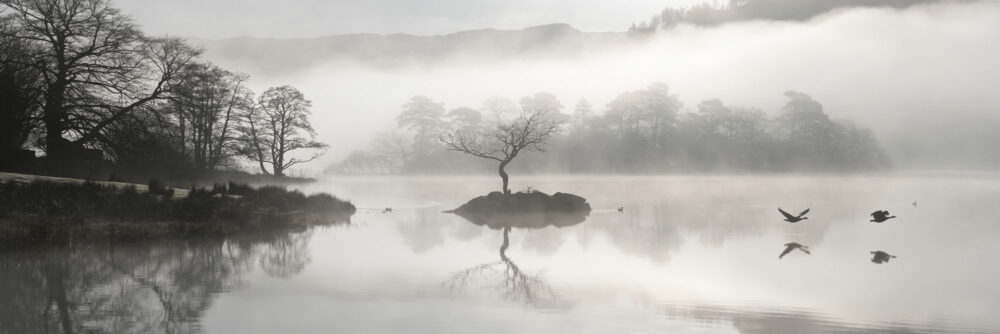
point(641, 131)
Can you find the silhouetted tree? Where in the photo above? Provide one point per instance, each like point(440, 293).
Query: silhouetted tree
point(277, 126)
point(19, 90)
point(96, 66)
point(529, 131)
point(206, 105)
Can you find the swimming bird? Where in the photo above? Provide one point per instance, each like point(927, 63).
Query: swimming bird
point(387, 210)
point(914, 204)
point(881, 257)
point(791, 246)
point(794, 219)
point(881, 216)
point(621, 209)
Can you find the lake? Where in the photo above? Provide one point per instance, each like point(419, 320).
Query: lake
point(687, 254)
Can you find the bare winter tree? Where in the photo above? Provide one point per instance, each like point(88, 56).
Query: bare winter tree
point(206, 106)
point(277, 126)
point(19, 87)
point(507, 139)
point(96, 65)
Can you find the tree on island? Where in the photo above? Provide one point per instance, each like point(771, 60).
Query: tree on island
point(277, 126)
point(503, 142)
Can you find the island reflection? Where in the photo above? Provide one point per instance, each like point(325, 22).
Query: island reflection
point(505, 277)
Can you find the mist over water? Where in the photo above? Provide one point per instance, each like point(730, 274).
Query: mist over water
point(686, 255)
point(922, 78)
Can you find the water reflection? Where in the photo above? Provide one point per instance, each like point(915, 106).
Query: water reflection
point(789, 247)
point(505, 277)
point(162, 288)
point(688, 255)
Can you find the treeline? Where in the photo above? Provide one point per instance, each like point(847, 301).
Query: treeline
point(642, 131)
point(81, 83)
point(715, 13)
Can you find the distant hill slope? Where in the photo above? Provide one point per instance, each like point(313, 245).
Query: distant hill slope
point(280, 55)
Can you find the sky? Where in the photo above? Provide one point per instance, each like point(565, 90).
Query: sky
point(314, 18)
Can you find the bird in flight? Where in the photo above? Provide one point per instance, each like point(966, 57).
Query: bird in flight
point(792, 246)
point(794, 219)
point(881, 216)
point(881, 257)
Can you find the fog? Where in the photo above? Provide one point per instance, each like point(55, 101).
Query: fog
point(923, 78)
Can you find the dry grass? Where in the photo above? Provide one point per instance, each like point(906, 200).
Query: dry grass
point(28, 178)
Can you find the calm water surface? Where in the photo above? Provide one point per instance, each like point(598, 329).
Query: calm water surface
point(687, 255)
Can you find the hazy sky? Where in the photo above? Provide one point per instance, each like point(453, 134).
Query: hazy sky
point(312, 18)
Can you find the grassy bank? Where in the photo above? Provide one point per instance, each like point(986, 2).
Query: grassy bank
point(50, 211)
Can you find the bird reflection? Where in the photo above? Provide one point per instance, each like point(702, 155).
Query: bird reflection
point(789, 247)
point(505, 276)
point(881, 257)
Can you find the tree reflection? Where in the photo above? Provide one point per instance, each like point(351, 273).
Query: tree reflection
point(161, 288)
point(287, 255)
point(505, 277)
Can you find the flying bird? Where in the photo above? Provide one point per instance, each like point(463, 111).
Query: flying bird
point(791, 246)
point(881, 216)
point(794, 219)
point(881, 257)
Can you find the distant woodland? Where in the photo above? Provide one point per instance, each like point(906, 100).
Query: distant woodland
point(641, 131)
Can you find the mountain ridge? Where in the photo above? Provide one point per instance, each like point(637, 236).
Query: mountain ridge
point(279, 55)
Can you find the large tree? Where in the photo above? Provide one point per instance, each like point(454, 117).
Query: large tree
point(527, 132)
point(277, 126)
point(19, 98)
point(97, 67)
point(206, 106)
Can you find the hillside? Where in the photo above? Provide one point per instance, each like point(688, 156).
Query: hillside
point(270, 56)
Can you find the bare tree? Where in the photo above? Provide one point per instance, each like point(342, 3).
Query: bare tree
point(278, 126)
point(96, 65)
point(529, 131)
point(206, 105)
point(19, 87)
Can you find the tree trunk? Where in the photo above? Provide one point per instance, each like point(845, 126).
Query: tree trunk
point(57, 292)
point(504, 176)
point(506, 243)
point(53, 117)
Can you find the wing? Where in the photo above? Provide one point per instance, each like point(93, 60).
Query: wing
point(787, 215)
point(806, 250)
point(803, 213)
point(787, 250)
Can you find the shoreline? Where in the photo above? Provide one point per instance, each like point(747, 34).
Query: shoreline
point(46, 210)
